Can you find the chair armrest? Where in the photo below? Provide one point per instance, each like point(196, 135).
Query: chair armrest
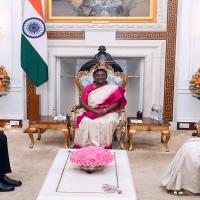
point(75, 108)
point(72, 119)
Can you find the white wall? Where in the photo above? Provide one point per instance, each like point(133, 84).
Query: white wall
point(186, 107)
point(12, 105)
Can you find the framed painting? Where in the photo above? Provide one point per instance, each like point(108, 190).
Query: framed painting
point(114, 11)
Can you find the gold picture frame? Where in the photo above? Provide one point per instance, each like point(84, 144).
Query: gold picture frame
point(56, 6)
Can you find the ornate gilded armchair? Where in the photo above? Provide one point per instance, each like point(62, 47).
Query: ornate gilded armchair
point(84, 78)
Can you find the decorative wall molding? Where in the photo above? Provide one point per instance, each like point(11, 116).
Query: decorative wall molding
point(125, 35)
point(160, 25)
point(183, 91)
point(170, 59)
point(170, 37)
point(30, 89)
point(66, 35)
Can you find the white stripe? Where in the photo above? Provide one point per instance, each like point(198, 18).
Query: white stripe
point(39, 44)
point(99, 95)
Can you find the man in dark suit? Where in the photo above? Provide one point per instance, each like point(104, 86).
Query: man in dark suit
point(6, 184)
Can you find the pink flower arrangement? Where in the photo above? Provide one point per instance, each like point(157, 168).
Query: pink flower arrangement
point(92, 156)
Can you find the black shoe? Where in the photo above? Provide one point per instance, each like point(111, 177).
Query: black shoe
point(11, 182)
point(5, 188)
point(194, 134)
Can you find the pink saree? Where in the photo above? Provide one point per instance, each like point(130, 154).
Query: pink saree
point(116, 95)
point(94, 129)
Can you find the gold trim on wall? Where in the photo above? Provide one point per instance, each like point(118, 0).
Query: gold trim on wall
point(127, 35)
point(30, 90)
point(152, 18)
point(66, 35)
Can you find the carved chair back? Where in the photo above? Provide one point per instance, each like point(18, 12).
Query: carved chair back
point(84, 78)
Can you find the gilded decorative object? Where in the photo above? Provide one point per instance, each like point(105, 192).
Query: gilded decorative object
point(117, 11)
point(111, 189)
point(74, 110)
point(122, 128)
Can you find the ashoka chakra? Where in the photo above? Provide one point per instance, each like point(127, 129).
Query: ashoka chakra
point(34, 27)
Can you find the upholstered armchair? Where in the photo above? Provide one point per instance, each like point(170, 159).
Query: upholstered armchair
point(84, 78)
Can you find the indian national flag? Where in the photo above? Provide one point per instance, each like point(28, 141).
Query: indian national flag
point(34, 43)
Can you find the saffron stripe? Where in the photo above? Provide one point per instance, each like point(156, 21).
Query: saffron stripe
point(38, 6)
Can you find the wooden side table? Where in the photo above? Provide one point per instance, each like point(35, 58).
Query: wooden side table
point(149, 124)
point(47, 122)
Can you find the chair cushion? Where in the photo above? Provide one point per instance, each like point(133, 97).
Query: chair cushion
point(115, 80)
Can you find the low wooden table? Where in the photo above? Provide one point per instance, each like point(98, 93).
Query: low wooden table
point(149, 124)
point(47, 122)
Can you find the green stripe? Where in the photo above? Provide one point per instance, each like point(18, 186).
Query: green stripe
point(32, 63)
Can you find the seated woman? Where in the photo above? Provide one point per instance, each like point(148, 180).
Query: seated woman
point(99, 117)
point(183, 174)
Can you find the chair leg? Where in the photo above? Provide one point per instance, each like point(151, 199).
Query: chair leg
point(72, 136)
point(66, 137)
point(31, 131)
point(122, 138)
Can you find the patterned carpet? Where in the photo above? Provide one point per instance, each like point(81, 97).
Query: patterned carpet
point(148, 162)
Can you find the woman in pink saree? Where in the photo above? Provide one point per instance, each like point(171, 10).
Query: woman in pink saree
point(99, 116)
